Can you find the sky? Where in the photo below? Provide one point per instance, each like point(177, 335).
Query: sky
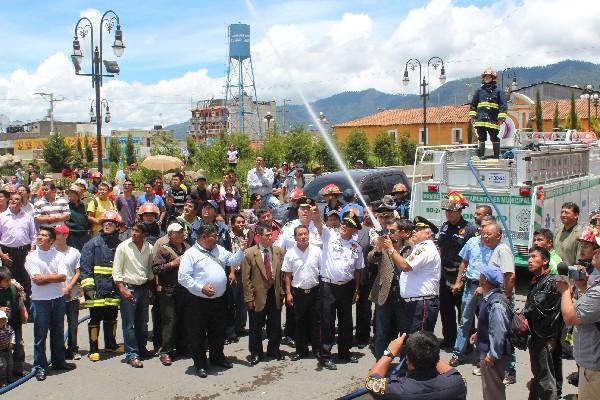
point(176, 51)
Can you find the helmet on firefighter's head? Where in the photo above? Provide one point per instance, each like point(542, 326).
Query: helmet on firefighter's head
point(111, 216)
point(489, 71)
point(148, 207)
point(590, 234)
point(296, 194)
point(331, 189)
point(454, 201)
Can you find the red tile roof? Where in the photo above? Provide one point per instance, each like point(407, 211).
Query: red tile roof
point(564, 108)
point(412, 116)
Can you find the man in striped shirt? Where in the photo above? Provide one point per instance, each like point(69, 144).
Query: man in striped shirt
point(50, 210)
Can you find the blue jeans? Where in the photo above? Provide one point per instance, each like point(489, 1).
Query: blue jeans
point(48, 315)
point(72, 312)
point(134, 320)
point(469, 308)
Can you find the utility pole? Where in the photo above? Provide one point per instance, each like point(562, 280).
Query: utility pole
point(285, 101)
point(51, 110)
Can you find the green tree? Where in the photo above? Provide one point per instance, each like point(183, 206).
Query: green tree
point(89, 154)
point(163, 142)
point(129, 150)
point(56, 152)
point(357, 147)
point(470, 132)
point(242, 144)
point(384, 149)
point(572, 113)
point(406, 149)
point(192, 149)
point(595, 124)
point(539, 121)
point(299, 146)
point(114, 150)
point(555, 120)
point(77, 154)
point(211, 159)
point(322, 153)
point(273, 149)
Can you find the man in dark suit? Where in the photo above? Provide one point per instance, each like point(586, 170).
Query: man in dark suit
point(263, 293)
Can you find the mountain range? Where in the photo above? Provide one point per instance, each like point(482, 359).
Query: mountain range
point(346, 106)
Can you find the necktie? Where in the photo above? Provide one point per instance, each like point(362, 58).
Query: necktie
point(268, 268)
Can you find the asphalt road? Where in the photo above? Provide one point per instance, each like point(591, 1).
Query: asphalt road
point(110, 378)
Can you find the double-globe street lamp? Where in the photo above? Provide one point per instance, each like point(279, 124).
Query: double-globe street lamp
point(434, 62)
point(93, 111)
point(268, 117)
point(83, 29)
point(590, 95)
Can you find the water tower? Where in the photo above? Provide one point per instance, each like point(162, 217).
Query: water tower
point(240, 88)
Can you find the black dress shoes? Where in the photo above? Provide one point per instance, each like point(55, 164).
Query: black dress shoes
point(255, 359)
point(328, 364)
point(349, 358)
point(201, 372)
point(64, 366)
point(222, 363)
point(288, 341)
point(298, 356)
point(40, 375)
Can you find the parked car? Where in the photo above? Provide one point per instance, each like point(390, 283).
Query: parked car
point(372, 183)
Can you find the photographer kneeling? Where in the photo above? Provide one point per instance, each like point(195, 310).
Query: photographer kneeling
point(427, 377)
point(584, 315)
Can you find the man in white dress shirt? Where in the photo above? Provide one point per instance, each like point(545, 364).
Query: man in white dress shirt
point(301, 266)
point(260, 181)
point(341, 262)
point(202, 274)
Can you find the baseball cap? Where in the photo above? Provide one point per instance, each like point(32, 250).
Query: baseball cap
point(174, 227)
point(62, 228)
point(211, 203)
point(493, 275)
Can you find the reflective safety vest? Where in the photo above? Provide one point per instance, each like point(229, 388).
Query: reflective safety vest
point(487, 106)
point(96, 270)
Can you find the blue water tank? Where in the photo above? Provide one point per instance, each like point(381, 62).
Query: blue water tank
point(239, 41)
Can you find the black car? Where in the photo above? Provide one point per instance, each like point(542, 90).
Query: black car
point(372, 183)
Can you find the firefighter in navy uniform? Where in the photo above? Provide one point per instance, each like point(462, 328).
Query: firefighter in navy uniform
point(453, 235)
point(101, 295)
point(488, 109)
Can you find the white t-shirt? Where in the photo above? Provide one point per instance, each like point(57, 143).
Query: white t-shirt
point(503, 258)
point(72, 256)
point(232, 156)
point(304, 266)
point(424, 279)
point(46, 262)
point(340, 258)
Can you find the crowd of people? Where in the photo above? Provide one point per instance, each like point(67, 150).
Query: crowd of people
point(206, 271)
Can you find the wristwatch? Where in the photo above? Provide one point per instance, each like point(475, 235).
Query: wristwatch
point(388, 353)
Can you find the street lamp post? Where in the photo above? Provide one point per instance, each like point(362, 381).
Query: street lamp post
point(268, 117)
point(595, 102)
point(83, 28)
point(434, 62)
point(513, 86)
point(95, 114)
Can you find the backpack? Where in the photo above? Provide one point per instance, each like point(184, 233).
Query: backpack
point(518, 328)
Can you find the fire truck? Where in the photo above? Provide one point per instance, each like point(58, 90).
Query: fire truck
point(537, 173)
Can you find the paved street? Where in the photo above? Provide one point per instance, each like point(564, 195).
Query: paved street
point(112, 379)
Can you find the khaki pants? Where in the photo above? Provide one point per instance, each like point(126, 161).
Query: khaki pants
point(492, 378)
point(589, 384)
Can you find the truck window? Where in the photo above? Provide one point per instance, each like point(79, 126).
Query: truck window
point(373, 188)
point(390, 180)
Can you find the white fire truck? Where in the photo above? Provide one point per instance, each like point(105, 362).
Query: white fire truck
point(545, 170)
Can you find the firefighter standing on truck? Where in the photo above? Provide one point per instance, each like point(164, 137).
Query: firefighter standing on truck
point(101, 295)
point(488, 109)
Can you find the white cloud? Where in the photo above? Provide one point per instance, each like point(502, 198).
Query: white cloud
point(323, 56)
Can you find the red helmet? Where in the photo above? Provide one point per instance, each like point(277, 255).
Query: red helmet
point(590, 234)
point(111, 216)
point(296, 194)
point(148, 207)
point(454, 202)
point(489, 71)
point(331, 189)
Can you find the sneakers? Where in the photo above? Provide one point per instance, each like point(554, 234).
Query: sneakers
point(94, 357)
point(509, 379)
point(454, 362)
